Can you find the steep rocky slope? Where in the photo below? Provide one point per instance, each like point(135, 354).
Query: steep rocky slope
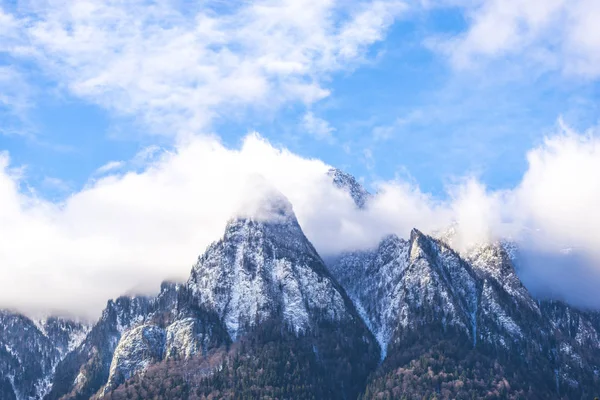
point(132, 333)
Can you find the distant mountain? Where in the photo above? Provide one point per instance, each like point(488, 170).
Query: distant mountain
point(456, 326)
point(262, 316)
point(30, 351)
point(348, 183)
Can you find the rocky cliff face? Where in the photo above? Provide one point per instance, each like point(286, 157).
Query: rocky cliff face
point(132, 333)
point(405, 284)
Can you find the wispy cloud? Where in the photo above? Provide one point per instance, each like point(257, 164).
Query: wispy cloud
point(382, 133)
point(317, 127)
point(15, 101)
point(551, 34)
point(180, 68)
point(109, 167)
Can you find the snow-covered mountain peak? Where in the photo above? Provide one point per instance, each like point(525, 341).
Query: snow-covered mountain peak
point(280, 231)
point(347, 182)
point(419, 244)
point(263, 269)
point(416, 235)
point(399, 279)
point(30, 351)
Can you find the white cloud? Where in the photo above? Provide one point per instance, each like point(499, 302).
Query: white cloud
point(8, 28)
point(559, 193)
point(109, 166)
point(552, 34)
point(136, 229)
point(317, 127)
point(15, 99)
point(479, 214)
point(179, 66)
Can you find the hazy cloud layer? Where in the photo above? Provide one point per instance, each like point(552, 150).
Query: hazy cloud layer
point(132, 230)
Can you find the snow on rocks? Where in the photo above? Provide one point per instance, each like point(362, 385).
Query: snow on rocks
point(262, 265)
point(137, 349)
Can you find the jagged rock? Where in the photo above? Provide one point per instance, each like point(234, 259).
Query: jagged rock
point(397, 282)
point(408, 288)
point(185, 338)
point(88, 368)
point(138, 348)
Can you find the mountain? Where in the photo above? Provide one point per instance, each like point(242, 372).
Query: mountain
point(263, 316)
point(266, 272)
point(405, 284)
point(266, 269)
point(453, 325)
point(262, 289)
point(132, 333)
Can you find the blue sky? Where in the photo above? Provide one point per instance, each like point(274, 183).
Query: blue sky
point(400, 108)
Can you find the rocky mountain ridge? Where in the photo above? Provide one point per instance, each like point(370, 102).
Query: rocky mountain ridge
point(405, 288)
point(30, 350)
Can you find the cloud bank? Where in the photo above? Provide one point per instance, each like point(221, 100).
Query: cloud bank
point(129, 231)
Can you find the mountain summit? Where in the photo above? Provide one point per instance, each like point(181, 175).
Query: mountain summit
point(266, 268)
point(348, 183)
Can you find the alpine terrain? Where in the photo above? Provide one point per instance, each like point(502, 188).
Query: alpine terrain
point(263, 316)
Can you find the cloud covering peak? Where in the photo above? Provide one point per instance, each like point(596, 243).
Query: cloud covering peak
point(129, 231)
